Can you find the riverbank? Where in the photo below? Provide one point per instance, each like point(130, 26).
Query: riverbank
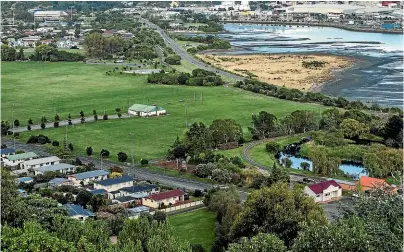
point(287, 70)
point(344, 27)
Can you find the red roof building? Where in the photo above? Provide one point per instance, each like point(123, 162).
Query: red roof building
point(163, 199)
point(325, 191)
point(367, 183)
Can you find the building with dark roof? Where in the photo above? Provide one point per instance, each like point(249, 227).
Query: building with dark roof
point(114, 184)
point(325, 191)
point(61, 168)
point(58, 182)
point(163, 199)
point(87, 177)
point(98, 192)
point(7, 151)
point(134, 213)
point(78, 212)
point(139, 189)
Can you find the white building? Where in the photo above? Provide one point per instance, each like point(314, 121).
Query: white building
point(39, 162)
point(78, 212)
point(62, 168)
point(324, 191)
point(146, 110)
point(50, 15)
point(87, 177)
point(14, 160)
point(165, 199)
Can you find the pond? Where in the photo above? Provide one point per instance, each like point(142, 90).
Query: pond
point(355, 170)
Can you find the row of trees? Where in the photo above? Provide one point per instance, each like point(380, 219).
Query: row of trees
point(297, 95)
point(276, 218)
point(199, 77)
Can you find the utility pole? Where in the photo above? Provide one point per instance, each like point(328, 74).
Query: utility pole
point(101, 158)
point(186, 114)
point(66, 138)
point(13, 130)
point(133, 146)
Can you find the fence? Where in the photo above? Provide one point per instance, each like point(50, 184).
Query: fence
point(183, 206)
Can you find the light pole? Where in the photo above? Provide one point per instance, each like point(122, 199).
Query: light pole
point(13, 130)
point(101, 158)
point(133, 146)
point(186, 114)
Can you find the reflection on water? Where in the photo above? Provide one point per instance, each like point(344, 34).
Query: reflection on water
point(349, 169)
point(379, 80)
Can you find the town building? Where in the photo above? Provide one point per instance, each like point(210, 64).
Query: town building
point(6, 152)
point(160, 200)
point(78, 212)
point(99, 192)
point(50, 15)
point(30, 41)
point(39, 162)
point(134, 213)
point(366, 183)
point(86, 177)
point(136, 190)
point(325, 191)
point(14, 160)
point(114, 184)
point(56, 182)
point(124, 200)
point(62, 168)
point(146, 110)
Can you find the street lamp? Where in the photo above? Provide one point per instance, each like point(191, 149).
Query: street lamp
point(133, 146)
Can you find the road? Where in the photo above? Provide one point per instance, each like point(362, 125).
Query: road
point(186, 56)
point(136, 171)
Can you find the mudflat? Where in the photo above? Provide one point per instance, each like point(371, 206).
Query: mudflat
point(303, 72)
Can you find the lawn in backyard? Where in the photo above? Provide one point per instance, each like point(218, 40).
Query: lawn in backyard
point(196, 227)
point(35, 89)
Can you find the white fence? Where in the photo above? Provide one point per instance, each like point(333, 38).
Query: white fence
point(183, 206)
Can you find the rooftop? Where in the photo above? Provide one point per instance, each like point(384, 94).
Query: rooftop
point(21, 156)
point(56, 167)
point(89, 174)
point(139, 209)
point(372, 182)
point(7, 151)
point(166, 195)
point(25, 179)
point(58, 181)
point(98, 191)
point(138, 188)
point(320, 187)
point(125, 199)
point(114, 181)
point(42, 160)
point(145, 108)
point(78, 210)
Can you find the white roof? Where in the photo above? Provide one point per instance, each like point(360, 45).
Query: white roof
point(50, 13)
point(41, 160)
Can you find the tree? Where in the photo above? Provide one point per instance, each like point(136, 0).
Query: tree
point(104, 153)
point(30, 121)
point(16, 123)
point(304, 121)
point(55, 143)
point(77, 31)
point(225, 130)
point(330, 119)
point(173, 60)
point(70, 146)
point(198, 139)
point(305, 166)
point(105, 117)
point(264, 125)
point(393, 128)
point(122, 157)
point(353, 129)
point(29, 127)
point(177, 150)
point(259, 243)
point(94, 43)
point(44, 52)
point(81, 113)
point(97, 201)
point(43, 126)
point(197, 248)
point(56, 124)
point(8, 53)
point(20, 54)
point(89, 151)
point(57, 118)
point(160, 216)
point(273, 147)
point(276, 209)
point(83, 198)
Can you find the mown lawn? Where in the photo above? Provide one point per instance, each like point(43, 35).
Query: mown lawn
point(197, 227)
point(34, 89)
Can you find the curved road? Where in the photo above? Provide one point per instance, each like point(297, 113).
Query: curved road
point(186, 56)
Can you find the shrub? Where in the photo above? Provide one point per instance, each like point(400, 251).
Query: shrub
point(81, 113)
point(144, 162)
point(305, 166)
point(119, 115)
point(16, 123)
point(43, 126)
point(89, 151)
point(122, 156)
point(273, 147)
point(70, 146)
point(56, 124)
point(19, 151)
point(55, 143)
point(70, 122)
point(197, 193)
point(82, 120)
point(29, 127)
point(30, 121)
point(105, 117)
point(57, 118)
point(95, 117)
point(104, 153)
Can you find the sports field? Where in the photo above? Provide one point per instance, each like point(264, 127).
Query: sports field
point(32, 89)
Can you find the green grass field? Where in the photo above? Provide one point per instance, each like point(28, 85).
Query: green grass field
point(32, 89)
point(197, 227)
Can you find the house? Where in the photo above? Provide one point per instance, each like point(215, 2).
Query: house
point(29, 41)
point(14, 160)
point(86, 177)
point(98, 192)
point(346, 185)
point(6, 152)
point(324, 191)
point(25, 180)
point(366, 183)
point(160, 200)
point(78, 212)
point(39, 162)
point(124, 201)
point(50, 15)
point(58, 182)
point(146, 110)
point(66, 43)
point(134, 213)
point(138, 190)
point(62, 168)
point(114, 184)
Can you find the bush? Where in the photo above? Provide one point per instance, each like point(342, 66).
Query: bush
point(30, 121)
point(16, 123)
point(56, 124)
point(29, 127)
point(70, 146)
point(89, 151)
point(70, 122)
point(105, 117)
point(122, 156)
point(83, 120)
point(43, 126)
point(173, 60)
point(55, 143)
point(197, 193)
point(104, 153)
point(144, 162)
point(119, 115)
point(273, 147)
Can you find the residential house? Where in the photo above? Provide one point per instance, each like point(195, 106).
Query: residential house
point(99, 192)
point(62, 168)
point(134, 213)
point(124, 201)
point(346, 185)
point(66, 43)
point(30, 41)
point(6, 152)
point(39, 162)
point(56, 182)
point(50, 15)
point(87, 177)
point(163, 199)
point(15, 160)
point(78, 212)
point(324, 191)
point(140, 189)
point(366, 183)
point(114, 184)
point(25, 180)
point(146, 110)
